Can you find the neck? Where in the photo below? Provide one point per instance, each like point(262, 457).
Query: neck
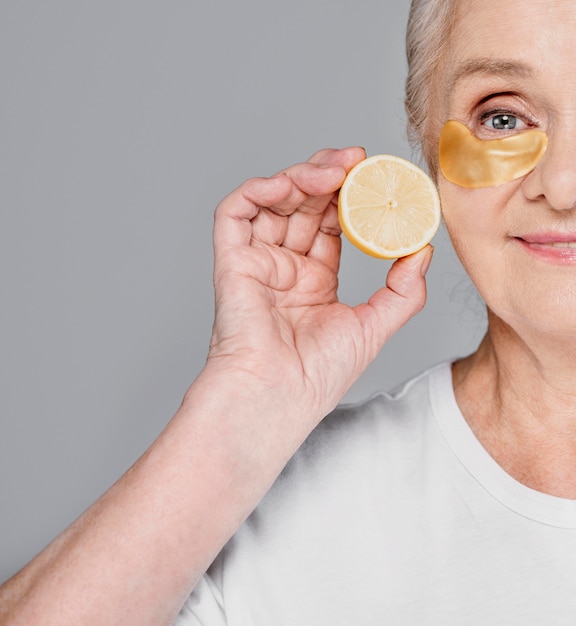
point(518, 395)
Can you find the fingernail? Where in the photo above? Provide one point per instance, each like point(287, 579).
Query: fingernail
point(427, 259)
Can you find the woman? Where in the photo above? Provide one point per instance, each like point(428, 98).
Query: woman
point(452, 501)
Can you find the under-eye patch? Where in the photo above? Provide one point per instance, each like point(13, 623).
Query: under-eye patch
point(470, 162)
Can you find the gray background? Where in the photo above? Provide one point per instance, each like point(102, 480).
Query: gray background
point(122, 123)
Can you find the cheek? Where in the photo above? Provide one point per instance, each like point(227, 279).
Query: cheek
point(476, 221)
point(467, 212)
point(479, 222)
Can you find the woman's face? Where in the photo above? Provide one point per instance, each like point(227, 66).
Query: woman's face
point(512, 67)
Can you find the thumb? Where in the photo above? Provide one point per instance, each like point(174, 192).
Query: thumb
point(404, 296)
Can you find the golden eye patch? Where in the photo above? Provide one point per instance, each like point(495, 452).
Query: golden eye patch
point(470, 162)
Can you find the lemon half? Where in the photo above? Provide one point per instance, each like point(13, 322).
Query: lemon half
point(388, 207)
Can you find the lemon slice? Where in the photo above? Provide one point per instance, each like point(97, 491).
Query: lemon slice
point(388, 207)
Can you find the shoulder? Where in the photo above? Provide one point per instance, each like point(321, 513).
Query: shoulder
point(398, 413)
point(362, 441)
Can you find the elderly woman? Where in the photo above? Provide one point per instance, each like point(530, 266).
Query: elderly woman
point(451, 501)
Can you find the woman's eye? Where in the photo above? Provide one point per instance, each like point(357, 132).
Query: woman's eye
point(503, 121)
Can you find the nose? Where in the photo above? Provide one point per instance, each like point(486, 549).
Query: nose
point(554, 178)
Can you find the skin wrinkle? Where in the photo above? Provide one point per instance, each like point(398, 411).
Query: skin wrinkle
point(486, 66)
point(518, 445)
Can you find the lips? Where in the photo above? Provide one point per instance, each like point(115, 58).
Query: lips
point(551, 246)
point(550, 238)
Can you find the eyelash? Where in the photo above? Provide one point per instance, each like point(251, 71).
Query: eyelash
point(484, 117)
point(524, 119)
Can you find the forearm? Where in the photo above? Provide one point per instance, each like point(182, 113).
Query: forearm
point(134, 556)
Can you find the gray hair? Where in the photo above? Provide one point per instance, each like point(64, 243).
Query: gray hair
point(429, 25)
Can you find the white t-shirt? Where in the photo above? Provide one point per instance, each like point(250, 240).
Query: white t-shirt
point(392, 513)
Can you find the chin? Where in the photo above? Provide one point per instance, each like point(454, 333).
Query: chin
point(547, 313)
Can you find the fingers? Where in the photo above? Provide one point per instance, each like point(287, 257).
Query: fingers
point(312, 187)
point(321, 175)
point(346, 158)
point(392, 306)
point(326, 244)
point(234, 215)
point(301, 192)
point(307, 178)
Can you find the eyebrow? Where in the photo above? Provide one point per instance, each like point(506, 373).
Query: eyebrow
point(497, 67)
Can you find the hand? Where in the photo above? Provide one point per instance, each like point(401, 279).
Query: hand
point(279, 326)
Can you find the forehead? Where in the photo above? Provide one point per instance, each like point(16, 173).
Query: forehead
point(511, 40)
point(514, 30)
